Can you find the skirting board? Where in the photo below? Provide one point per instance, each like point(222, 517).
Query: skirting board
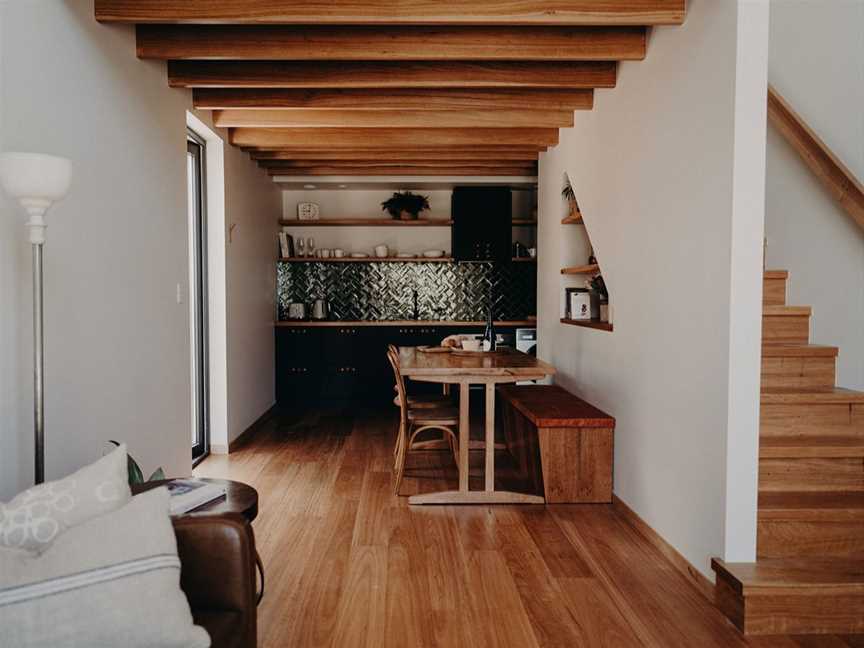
point(246, 435)
point(693, 575)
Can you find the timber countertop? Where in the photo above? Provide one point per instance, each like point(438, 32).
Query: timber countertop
point(419, 323)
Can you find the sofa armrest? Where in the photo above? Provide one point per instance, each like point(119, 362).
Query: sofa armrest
point(218, 562)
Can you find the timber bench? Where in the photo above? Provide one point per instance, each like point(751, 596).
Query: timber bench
point(562, 445)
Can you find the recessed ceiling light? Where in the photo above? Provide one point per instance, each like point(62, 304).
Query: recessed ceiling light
point(308, 186)
point(343, 186)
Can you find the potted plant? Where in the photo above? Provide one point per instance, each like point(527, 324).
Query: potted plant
point(404, 205)
point(569, 195)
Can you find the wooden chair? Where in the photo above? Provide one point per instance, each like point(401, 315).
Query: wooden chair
point(414, 421)
point(422, 400)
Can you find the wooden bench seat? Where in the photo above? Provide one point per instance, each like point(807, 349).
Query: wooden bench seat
point(562, 445)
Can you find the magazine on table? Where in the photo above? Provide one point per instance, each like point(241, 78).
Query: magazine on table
point(189, 494)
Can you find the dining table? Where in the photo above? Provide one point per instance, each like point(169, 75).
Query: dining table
point(464, 369)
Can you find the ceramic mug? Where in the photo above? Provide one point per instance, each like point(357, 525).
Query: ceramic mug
point(532, 253)
point(338, 253)
point(381, 251)
point(325, 253)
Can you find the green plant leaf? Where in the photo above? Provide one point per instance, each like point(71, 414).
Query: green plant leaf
point(135, 474)
point(157, 474)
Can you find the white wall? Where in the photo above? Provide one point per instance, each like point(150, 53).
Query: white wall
point(677, 233)
point(117, 342)
point(366, 203)
point(816, 62)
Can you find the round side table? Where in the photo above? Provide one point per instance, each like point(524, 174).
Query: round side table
point(240, 498)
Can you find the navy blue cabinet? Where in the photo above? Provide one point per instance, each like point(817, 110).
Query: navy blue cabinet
point(341, 365)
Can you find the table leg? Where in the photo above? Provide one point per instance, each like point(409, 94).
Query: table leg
point(490, 437)
point(464, 436)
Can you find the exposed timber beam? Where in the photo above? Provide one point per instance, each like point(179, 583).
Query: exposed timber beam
point(433, 12)
point(403, 154)
point(390, 74)
point(389, 43)
point(393, 99)
point(391, 118)
point(390, 138)
point(384, 162)
point(405, 171)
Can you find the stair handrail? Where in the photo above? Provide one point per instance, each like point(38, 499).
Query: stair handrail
point(840, 182)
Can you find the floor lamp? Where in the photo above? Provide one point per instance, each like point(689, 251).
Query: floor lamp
point(36, 182)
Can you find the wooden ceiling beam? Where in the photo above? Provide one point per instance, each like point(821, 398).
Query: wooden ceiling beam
point(360, 155)
point(392, 99)
point(390, 74)
point(389, 43)
point(433, 12)
point(391, 118)
point(393, 138)
point(405, 171)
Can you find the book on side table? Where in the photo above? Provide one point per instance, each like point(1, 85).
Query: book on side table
point(189, 494)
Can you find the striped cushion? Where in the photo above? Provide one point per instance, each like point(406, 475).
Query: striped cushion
point(111, 581)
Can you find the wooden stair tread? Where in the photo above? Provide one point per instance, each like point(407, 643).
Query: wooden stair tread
point(811, 446)
point(811, 396)
point(776, 274)
point(799, 351)
point(794, 575)
point(830, 506)
point(786, 311)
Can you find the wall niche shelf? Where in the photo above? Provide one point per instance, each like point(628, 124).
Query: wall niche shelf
point(594, 324)
point(386, 222)
point(374, 259)
point(580, 270)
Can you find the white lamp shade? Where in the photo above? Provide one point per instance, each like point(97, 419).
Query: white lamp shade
point(33, 178)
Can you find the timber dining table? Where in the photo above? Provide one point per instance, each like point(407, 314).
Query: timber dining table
point(488, 369)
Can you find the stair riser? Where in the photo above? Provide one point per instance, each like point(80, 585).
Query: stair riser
point(798, 373)
point(774, 292)
point(785, 329)
point(797, 419)
point(797, 538)
point(811, 474)
point(816, 613)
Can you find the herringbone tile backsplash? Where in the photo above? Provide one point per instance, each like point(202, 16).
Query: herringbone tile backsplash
point(378, 290)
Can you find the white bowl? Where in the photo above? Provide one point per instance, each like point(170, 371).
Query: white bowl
point(433, 254)
point(472, 345)
point(359, 255)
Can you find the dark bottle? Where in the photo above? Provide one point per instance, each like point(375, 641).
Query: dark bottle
point(489, 334)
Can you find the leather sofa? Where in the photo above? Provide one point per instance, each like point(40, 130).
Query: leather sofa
point(218, 558)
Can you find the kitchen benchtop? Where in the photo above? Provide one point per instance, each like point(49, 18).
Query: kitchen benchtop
point(337, 323)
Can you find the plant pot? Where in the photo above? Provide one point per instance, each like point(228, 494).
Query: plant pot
point(406, 215)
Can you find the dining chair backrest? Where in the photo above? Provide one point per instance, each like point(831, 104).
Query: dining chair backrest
point(393, 357)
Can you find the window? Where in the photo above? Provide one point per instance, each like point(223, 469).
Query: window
point(195, 175)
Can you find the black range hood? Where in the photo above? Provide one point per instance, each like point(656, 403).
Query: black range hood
point(482, 222)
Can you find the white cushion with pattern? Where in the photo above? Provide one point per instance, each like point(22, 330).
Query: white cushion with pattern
point(111, 581)
point(34, 518)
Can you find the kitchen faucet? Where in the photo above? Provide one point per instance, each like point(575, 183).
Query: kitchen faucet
point(416, 305)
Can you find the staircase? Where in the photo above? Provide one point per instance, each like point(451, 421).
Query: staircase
point(809, 574)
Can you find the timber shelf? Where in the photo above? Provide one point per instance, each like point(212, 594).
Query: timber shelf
point(580, 270)
point(594, 324)
point(386, 222)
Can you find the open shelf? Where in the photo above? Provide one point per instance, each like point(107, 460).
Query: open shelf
point(594, 324)
point(386, 222)
point(374, 259)
point(579, 270)
point(572, 220)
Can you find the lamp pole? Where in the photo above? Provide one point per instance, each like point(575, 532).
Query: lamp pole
point(36, 181)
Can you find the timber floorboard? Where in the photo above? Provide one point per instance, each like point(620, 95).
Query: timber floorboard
point(348, 563)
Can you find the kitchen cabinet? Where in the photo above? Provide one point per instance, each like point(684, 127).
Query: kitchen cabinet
point(343, 365)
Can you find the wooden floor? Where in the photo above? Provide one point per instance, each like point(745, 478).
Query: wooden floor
point(350, 564)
